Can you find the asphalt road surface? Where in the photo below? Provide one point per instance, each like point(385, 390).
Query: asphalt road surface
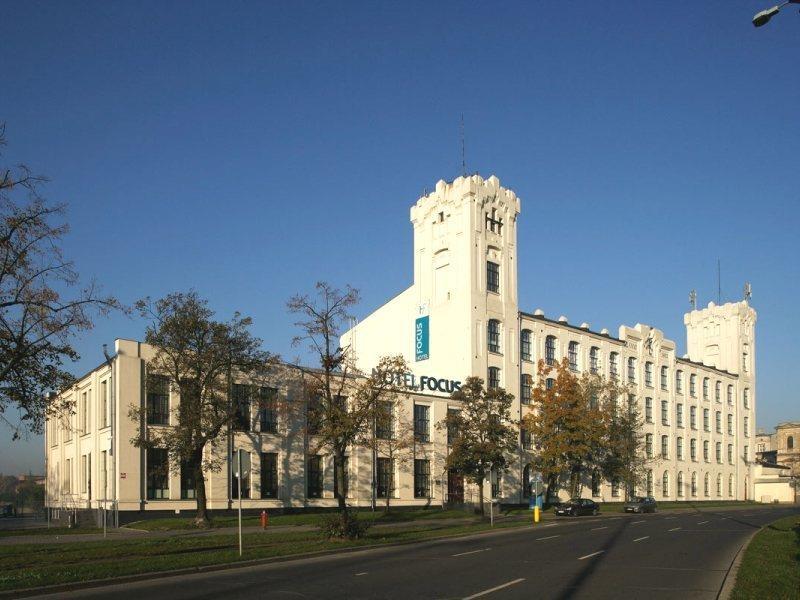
point(682, 554)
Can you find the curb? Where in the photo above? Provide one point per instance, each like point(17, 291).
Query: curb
point(729, 582)
point(95, 583)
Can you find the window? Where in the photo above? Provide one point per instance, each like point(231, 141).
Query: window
point(268, 409)
point(679, 382)
point(68, 476)
point(525, 388)
point(648, 410)
point(664, 412)
point(422, 478)
point(680, 484)
point(86, 474)
point(693, 449)
point(679, 415)
point(494, 222)
point(648, 445)
point(730, 485)
point(525, 439)
point(269, 475)
point(718, 422)
point(84, 413)
point(730, 395)
point(494, 480)
point(665, 446)
point(649, 482)
point(648, 374)
point(493, 335)
point(549, 383)
point(746, 398)
point(693, 417)
point(525, 345)
point(730, 453)
point(693, 385)
point(594, 360)
point(746, 454)
point(706, 424)
point(103, 474)
point(572, 351)
point(664, 376)
point(718, 451)
point(157, 400)
point(595, 484)
point(718, 391)
point(550, 350)
point(157, 474)
point(385, 478)
point(705, 388)
point(235, 479)
point(632, 370)
point(746, 359)
point(103, 399)
point(747, 427)
point(452, 428)
point(384, 421)
point(613, 360)
point(315, 415)
point(705, 450)
point(665, 484)
point(705, 485)
point(790, 443)
point(241, 402)
point(694, 484)
point(422, 423)
point(494, 378)
point(492, 277)
point(615, 489)
point(679, 448)
point(337, 488)
point(314, 474)
point(188, 485)
point(730, 424)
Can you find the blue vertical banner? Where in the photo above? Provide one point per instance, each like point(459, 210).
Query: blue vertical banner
point(422, 338)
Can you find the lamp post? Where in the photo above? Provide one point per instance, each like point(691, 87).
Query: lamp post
point(764, 16)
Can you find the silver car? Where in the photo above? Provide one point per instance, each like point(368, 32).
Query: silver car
point(641, 504)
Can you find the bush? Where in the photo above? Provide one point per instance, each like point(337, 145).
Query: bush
point(343, 526)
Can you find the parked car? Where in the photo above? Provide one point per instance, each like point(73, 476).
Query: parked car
point(577, 506)
point(641, 504)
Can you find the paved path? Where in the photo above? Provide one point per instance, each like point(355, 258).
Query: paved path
point(683, 554)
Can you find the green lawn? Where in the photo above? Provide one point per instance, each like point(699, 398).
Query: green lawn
point(771, 564)
point(30, 565)
point(48, 531)
point(377, 517)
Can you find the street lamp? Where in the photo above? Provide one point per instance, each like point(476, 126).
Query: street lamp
point(764, 16)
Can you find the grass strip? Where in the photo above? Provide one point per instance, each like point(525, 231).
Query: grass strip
point(770, 567)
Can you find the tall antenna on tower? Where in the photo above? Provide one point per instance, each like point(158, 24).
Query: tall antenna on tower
point(719, 284)
point(463, 150)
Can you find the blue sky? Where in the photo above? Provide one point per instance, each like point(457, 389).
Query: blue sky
point(250, 149)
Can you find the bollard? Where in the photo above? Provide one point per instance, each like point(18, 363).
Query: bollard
point(536, 514)
point(264, 519)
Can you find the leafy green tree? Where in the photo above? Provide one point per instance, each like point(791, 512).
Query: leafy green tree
point(625, 459)
point(485, 434)
point(201, 357)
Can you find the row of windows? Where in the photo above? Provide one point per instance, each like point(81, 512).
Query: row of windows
point(84, 415)
point(679, 455)
point(648, 417)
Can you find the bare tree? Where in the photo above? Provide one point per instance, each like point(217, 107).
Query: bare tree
point(200, 358)
point(42, 303)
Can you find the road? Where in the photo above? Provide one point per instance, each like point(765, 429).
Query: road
point(681, 553)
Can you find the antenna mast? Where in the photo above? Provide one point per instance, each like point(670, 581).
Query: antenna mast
point(463, 151)
point(719, 284)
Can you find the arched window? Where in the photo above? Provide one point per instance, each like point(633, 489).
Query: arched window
point(747, 397)
point(594, 359)
point(665, 484)
point(694, 484)
point(632, 370)
point(493, 335)
point(550, 350)
point(526, 482)
point(790, 443)
point(613, 365)
point(664, 377)
point(680, 484)
point(706, 482)
point(719, 485)
point(730, 485)
point(730, 395)
point(494, 378)
point(525, 388)
point(573, 355)
point(649, 482)
point(525, 345)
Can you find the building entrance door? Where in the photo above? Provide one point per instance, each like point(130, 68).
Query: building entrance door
point(455, 488)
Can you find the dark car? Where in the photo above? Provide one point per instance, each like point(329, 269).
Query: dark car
point(641, 504)
point(577, 506)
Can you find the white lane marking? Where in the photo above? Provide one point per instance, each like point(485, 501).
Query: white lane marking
point(669, 518)
point(494, 589)
point(702, 522)
point(360, 574)
point(591, 555)
point(551, 525)
point(549, 537)
point(641, 538)
point(675, 529)
point(637, 522)
point(598, 528)
point(472, 552)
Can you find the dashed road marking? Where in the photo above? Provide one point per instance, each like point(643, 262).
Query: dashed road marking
point(641, 538)
point(591, 555)
point(702, 522)
point(472, 552)
point(598, 528)
point(549, 537)
point(669, 518)
point(494, 589)
point(675, 529)
point(637, 522)
point(360, 574)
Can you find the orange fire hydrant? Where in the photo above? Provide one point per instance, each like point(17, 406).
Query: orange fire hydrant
point(264, 519)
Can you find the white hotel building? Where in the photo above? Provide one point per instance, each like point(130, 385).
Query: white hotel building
point(460, 317)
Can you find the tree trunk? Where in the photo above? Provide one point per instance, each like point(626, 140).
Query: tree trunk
point(481, 477)
point(201, 518)
point(341, 493)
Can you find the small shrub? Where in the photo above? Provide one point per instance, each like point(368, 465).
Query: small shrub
point(343, 526)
